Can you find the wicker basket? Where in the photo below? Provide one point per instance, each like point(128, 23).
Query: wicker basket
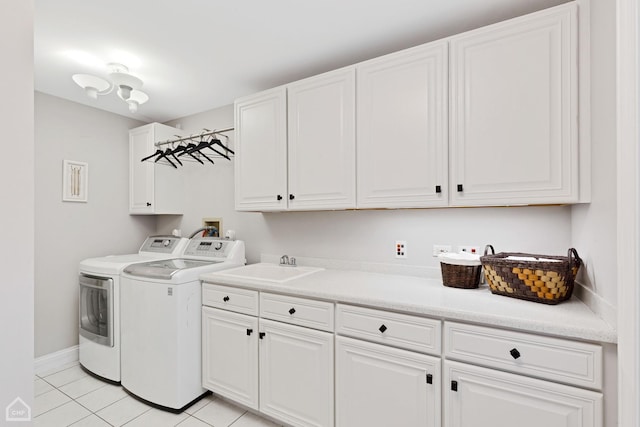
point(539, 280)
point(460, 273)
point(460, 276)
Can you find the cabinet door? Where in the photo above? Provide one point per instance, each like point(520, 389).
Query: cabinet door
point(141, 176)
point(230, 355)
point(261, 151)
point(296, 374)
point(514, 132)
point(321, 141)
point(402, 129)
point(383, 386)
point(154, 188)
point(485, 397)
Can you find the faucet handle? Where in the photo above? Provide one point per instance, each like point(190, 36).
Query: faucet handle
point(292, 261)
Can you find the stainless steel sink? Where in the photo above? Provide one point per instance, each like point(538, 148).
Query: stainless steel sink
point(270, 272)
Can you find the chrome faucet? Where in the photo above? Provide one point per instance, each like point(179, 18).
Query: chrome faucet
point(286, 261)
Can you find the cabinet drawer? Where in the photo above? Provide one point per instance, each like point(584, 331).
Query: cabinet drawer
point(230, 298)
point(297, 311)
point(549, 358)
point(399, 330)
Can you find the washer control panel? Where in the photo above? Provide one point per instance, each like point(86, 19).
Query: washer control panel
point(161, 244)
point(208, 247)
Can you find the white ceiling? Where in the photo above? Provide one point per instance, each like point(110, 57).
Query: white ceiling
point(195, 55)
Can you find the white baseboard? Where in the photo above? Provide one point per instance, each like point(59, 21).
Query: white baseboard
point(49, 362)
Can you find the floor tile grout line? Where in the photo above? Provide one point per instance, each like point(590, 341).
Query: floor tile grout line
point(57, 372)
point(236, 420)
point(84, 394)
point(91, 412)
point(55, 407)
point(96, 412)
point(77, 421)
point(137, 416)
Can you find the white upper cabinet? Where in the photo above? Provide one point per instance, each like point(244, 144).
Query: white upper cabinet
point(154, 188)
point(261, 151)
point(514, 129)
point(305, 162)
point(402, 129)
point(321, 141)
point(484, 118)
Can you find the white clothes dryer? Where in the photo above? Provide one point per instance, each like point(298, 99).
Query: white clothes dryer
point(161, 305)
point(99, 303)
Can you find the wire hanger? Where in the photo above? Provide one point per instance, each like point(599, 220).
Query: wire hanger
point(192, 148)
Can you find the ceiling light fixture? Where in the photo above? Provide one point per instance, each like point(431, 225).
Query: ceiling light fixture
point(127, 85)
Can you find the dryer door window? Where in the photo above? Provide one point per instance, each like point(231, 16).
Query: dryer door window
point(96, 309)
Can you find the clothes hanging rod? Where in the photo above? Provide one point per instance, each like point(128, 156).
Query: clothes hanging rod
point(206, 132)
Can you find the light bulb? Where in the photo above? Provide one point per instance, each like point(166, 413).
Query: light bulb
point(124, 91)
point(133, 106)
point(91, 92)
point(92, 85)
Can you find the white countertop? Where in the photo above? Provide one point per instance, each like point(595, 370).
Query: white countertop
point(428, 297)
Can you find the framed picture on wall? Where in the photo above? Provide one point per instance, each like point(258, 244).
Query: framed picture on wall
point(75, 181)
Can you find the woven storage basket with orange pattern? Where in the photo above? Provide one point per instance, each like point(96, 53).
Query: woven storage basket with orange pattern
point(540, 278)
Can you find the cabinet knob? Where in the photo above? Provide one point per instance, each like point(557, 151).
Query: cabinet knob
point(429, 379)
point(225, 299)
point(454, 385)
point(279, 197)
point(148, 204)
point(514, 353)
point(291, 197)
point(261, 335)
point(438, 189)
point(292, 310)
point(460, 188)
point(249, 331)
point(382, 328)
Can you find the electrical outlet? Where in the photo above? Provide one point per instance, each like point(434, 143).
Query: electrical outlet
point(475, 250)
point(401, 249)
point(441, 249)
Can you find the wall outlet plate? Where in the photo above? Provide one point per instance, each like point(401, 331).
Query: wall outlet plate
point(401, 248)
point(441, 249)
point(470, 249)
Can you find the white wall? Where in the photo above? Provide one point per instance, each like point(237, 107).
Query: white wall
point(369, 235)
point(17, 213)
point(594, 225)
point(361, 235)
point(68, 232)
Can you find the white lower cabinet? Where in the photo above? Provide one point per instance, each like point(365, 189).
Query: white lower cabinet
point(280, 369)
point(296, 374)
point(486, 395)
point(285, 357)
point(481, 397)
point(382, 376)
point(377, 385)
point(230, 355)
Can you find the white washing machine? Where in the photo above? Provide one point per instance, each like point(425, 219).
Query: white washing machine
point(99, 303)
point(161, 304)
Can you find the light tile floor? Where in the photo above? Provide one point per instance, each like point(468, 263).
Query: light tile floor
point(68, 396)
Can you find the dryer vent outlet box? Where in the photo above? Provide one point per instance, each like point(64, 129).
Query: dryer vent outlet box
point(212, 222)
